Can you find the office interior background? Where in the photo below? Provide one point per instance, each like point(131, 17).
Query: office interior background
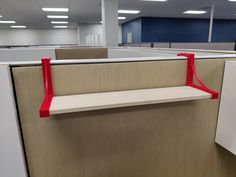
point(117, 88)
point(147, 21)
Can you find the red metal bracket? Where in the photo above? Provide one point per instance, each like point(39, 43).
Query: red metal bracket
point(192, 72)
point(47, 80)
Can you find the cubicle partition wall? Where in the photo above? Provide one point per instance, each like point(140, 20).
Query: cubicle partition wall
point(145, 44)
point(55, 53)
point(158, 52)
point(226, 127)
point(135, 53)
point(26, 54)
point(230, 46)
point(174, 139)
point(81, 53)
point(162, 45)
point(35, 54)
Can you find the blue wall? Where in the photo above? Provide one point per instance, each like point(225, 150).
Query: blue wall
point(150, 29)
point(174, 30)
point(224, 31)
point(133, 26)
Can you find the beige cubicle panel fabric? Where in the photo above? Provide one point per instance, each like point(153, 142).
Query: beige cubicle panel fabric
point(162, 140)
point(81, 53)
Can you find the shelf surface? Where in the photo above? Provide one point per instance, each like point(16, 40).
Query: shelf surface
point(106, 100)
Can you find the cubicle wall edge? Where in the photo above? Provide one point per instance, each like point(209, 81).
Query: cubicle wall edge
point(226, 127)
point(12, 161)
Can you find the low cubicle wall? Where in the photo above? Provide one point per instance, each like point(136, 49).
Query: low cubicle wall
point(26, 54)
point(230, 46)
point(81, 53)
point(171, 139)
point(205, 46)
point(36, 53)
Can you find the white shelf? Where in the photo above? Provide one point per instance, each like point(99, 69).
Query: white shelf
point(106, 100)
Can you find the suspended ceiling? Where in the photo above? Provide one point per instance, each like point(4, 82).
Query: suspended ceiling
point(29, 12)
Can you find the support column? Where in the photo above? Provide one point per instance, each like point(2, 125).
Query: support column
point(78, 36)
point(110, 22)
point(211, 21)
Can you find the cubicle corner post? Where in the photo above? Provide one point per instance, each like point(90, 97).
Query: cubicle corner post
point(192, 72)
point(47, 80)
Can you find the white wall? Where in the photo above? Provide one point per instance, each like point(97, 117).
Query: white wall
point(92, 35)
point(37, 36)
point(91, 32)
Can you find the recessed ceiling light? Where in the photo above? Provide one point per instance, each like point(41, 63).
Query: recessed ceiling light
point(128, 11)
point(100, 21)
point(7, 22)
point(155, 0)
point(59, 22)
point(0, 16)
point(195, 12)
point(46, 9)
point(121, 18)
point(60, 26)
point(18, 26)
point(57, 16)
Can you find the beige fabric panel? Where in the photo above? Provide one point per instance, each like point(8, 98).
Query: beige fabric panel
point(81, 53)
point(162, 140)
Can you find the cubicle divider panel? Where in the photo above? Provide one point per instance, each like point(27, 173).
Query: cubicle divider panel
point(163, 140)
point(81, 53)
point(230, 46)
point(162, 44)
point(26, 54)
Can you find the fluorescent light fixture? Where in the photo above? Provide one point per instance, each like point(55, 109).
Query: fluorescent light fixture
point(18, 26)
point(121, 18)
point(7, 22)
point(197, 12)
point(59, 22)
point(57, 16)
point(128, 11)
point(232, 0)
point(46, 9)
point(155, 0)
point(60, 26)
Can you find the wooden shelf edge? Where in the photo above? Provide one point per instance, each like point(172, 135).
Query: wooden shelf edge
point(107, 100)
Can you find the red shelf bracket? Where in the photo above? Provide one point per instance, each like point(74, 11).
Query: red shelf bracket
point(192, 72)
point(47, 80)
